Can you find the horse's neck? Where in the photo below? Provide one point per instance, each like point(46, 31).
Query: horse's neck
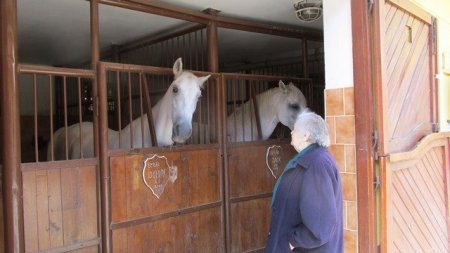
point(163, 121)
point(268, 114)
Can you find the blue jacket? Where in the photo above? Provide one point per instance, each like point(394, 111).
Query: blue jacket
point(307, 206)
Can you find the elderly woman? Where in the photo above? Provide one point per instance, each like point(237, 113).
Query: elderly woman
point(307, 198)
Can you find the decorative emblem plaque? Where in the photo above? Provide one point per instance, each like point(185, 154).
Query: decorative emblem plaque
point(157, 172)
point(273, 160)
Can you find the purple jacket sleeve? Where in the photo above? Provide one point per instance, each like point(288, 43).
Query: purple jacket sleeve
point(317, 208)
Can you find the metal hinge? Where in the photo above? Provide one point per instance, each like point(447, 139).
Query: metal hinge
point(434, 35)
point(375, 144)
point(435, 127)
point(369, 6)
point(376, 182)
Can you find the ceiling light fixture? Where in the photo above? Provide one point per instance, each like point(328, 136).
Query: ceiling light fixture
point(308, 10)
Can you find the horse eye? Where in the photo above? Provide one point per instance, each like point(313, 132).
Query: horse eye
point(294, 106)
point(175, 89)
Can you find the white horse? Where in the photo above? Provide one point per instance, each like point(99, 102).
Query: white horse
point(279, 104)
point(172, 116)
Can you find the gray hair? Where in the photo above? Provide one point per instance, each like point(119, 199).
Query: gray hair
point(315, 125)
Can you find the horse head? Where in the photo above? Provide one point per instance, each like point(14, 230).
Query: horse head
point(185, 91)
point(292, 102)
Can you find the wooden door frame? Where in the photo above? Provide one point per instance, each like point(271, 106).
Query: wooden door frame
point(363, 79)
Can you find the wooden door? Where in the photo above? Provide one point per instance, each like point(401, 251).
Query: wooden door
point(414, 176)
point(184, 216)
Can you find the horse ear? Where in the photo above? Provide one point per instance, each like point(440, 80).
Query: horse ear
point(177, 67)
point(202, 80)
point(282, 86)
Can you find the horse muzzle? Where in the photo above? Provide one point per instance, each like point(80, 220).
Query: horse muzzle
point(181, 132)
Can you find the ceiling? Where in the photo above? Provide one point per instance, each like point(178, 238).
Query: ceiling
point(57, 32)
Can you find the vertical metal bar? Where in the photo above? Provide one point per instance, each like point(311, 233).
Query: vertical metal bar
point(196, 50)
point(213, 55)
point(103, 159)
point(119, 108)
point(35, 120)
point(11, 156)
point(208, 128)
point(222, 123)
point(66, 134)
point(234, 88)
point(242, 85)
point(50, 95)
point(80, 115)
point(305, 58)
point(141, 106)
point(199, 120)
point(202, 46)
point(95, 57)
point(130, 104)
point(148, 111)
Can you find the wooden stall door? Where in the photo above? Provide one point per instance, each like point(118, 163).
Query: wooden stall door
point(187, 216)
point(414, 185)
point(60, 203)
point(250, 185)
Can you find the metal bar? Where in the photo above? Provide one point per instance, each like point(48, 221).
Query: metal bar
point(222, 123)
point(261, 77)
point(119, 108)
point(141, 104)
point(243, 109)
point(130, 109)
point(46, 70)
point(35, 113)
point(305, 58)
point(50, 99)
point(66, 135)
point(103, 160)
point(80, 116)
point(167, 10)
point(255, 105)
point(11, 152)
point(149, 112)
point(157, 70)
point(233, 82)
point(211, 130)
point(213, 52)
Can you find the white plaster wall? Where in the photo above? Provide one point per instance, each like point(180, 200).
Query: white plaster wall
point(337, 28)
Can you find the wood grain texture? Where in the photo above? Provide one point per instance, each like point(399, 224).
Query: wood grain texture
point(417, 198)
point(249, 180)
point(407, 77)
point(60, 209)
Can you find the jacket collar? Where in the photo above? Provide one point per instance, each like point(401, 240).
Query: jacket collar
point(308, 157)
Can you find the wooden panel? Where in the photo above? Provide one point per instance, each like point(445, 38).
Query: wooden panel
point(417, 199)
point(251, 185)
point(60, 208)
point(2, 236)
point(198, 183)
point(248, 171)
point(250, 221)
point(193, 232)
point(407, 83)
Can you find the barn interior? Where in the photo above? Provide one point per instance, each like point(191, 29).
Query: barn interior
point(57, 33)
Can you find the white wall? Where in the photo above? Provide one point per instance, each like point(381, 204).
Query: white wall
point(337, 29)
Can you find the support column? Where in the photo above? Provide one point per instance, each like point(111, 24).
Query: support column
point(12, 177)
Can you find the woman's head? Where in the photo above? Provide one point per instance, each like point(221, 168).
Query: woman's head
point(309, 128)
